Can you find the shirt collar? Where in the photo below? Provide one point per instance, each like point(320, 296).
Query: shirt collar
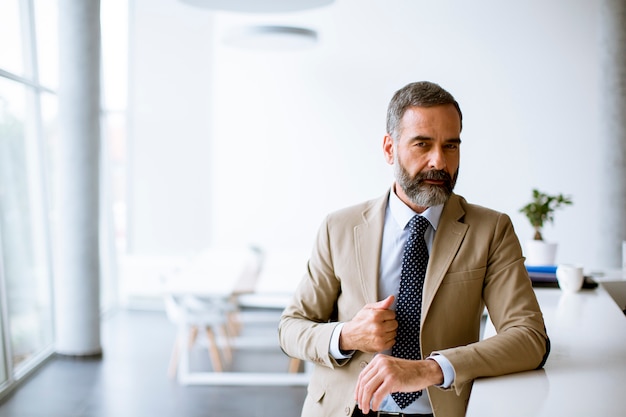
point(402, 213)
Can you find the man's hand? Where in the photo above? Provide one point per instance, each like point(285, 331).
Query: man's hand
point(373, 329)
point(386, 374)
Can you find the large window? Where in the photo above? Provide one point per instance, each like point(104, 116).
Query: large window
point(25, 260)
point(28, 143)
point(27, 122)
point(11, 42)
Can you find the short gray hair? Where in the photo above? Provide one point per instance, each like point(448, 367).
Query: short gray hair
point(418, 94)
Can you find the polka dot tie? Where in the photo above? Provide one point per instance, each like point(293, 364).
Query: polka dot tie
point(409, 306)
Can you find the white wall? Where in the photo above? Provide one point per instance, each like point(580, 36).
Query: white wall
point(169, 201)
point(266, 143)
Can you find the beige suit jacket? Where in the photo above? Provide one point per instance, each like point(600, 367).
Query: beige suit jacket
point(475, 261)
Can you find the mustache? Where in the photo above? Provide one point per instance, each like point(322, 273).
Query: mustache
point(434, 174)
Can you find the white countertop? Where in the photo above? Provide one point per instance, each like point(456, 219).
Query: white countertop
point(585, 374)
point(215, 273)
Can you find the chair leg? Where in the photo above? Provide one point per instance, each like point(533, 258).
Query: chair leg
point(227, 350)
point(294, 365)
point(193, 333)
point(214, 352)
point(233, 323)
point(173, 366)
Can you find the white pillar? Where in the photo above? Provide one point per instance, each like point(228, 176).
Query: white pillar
point(77, 273)
point(613, 133)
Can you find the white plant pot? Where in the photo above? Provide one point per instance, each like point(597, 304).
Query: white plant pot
point(540, 253)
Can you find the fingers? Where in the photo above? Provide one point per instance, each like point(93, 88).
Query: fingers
point(364, 390)
point(373, 385)
point(373, 328)
point(386, 374)
point(382, 304)
point(368, 337)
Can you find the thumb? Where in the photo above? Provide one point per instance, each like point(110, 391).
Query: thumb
point(383, 304)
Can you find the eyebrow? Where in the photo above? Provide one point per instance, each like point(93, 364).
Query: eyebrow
point(428, 138)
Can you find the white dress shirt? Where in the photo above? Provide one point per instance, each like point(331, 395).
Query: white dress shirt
point(395, 234)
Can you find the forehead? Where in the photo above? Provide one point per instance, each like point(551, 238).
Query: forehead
point(440, 118)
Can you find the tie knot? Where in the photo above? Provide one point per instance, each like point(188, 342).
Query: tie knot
point(418, 225)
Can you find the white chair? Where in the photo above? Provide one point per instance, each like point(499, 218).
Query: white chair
point(216, 315)
point(191, 315)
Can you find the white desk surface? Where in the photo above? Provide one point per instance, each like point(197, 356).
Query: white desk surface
point(280, 275)
point(585, 374)
point(216, 273)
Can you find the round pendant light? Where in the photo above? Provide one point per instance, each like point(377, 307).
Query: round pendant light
point(258, 6)
point(266, 37)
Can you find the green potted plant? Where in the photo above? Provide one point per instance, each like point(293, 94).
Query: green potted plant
point(540, 211)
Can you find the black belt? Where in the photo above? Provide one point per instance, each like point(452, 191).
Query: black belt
point(358, 413)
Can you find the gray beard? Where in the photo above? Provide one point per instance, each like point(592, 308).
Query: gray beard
point(420, 193)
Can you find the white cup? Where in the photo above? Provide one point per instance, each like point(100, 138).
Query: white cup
point(570, 277)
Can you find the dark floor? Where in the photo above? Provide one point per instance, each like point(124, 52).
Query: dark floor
point(131, 380)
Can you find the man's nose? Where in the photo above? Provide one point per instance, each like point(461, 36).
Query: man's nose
point(436, 159)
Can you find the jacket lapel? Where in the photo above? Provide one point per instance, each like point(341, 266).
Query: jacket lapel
point(448, 238)
point(367, 242)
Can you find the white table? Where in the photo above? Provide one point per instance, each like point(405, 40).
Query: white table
point(585, 374)
point(215, 273)
point(280, 275)
point(221, 276)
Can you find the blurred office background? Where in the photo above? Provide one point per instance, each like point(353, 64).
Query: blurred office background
point(213, 134)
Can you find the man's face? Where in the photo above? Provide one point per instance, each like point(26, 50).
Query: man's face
point(425, 155)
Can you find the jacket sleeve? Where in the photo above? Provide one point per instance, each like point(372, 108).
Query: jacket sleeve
point(521, 342)
point(307, 323)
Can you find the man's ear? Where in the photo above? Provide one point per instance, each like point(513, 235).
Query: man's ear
point(388, 149)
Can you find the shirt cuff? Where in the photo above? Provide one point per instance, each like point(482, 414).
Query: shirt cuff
point(334, 350)
point(446, 368)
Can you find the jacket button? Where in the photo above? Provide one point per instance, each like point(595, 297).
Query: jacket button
point(347, 411)
point(363, 364)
